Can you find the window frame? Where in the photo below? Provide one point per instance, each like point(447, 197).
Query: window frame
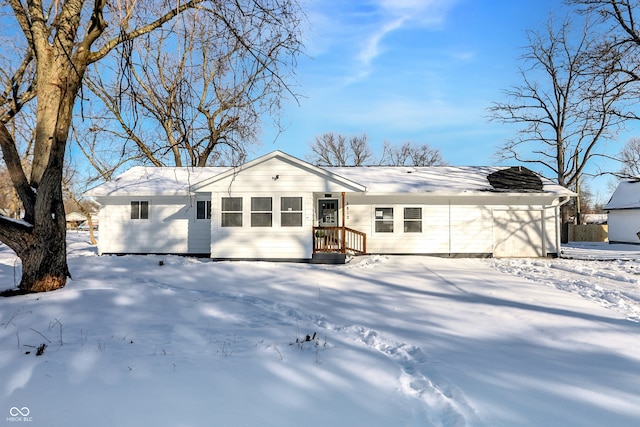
point(290, 213)
point(139, 210)
point(206, 212)
point(260, 212)
point(380, 219)
point(231, 213)
point(411, 221)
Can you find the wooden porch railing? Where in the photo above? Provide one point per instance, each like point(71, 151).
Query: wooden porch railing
point(340, 240)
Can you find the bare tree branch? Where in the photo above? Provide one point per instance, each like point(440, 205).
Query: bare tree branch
point(569, 102)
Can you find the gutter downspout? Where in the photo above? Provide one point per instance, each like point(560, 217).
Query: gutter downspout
point(558, 223)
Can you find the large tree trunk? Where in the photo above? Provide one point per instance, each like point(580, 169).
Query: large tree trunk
point(44, 262)
point(45, 270)
point(42, 250)
point(40, 242)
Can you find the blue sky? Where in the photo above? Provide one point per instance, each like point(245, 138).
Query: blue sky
point(412, 70)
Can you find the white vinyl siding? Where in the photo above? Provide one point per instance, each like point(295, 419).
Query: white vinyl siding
point(624, 226)
point(451, 225)
point(518, 233)
point(171, 227)
point(277, 241)
point(281, 240)
point(471, 229)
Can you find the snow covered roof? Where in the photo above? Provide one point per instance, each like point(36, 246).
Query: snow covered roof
point(146, 180)
point(594, 218)
point(433, 179)
point(75, 216)
point(446, 180)
point(626, 196)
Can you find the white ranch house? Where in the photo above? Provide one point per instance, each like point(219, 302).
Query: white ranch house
point(623, 212)
point(278, 207)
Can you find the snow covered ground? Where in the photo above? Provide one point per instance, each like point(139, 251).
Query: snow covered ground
point(392, 341)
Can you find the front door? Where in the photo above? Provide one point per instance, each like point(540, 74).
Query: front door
point(328, 213)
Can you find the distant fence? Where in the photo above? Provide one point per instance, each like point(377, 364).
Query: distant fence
point(588, 233)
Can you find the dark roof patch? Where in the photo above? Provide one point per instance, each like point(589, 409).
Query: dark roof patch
point(516, 178)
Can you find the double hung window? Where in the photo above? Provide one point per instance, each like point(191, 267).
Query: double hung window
point(291, 212)
point(261, 212)
point(231, 212)
point(413, 220)
point(384, 220)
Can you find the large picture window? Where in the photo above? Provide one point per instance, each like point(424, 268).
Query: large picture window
point(384, 220)
point(139, 210)
point(261, 212)
point(291, 211)
point(231, 212)
point(203, 209)
point(413, 220)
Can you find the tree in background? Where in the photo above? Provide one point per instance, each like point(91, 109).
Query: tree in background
point(196, 91)
point(630, 158)
point(622, 39)
point(570, 101)
point(619, 43)
point(53, 45)
point(411, 154)
point(331, 149)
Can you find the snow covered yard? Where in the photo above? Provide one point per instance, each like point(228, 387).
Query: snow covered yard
point(392, 341)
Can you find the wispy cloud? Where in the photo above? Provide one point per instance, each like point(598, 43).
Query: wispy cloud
point(371, 47)
point(422, 12)
point(359, 29)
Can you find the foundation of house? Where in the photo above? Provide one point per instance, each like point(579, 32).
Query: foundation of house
point(328, 258)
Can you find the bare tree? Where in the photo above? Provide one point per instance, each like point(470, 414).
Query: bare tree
point(618, 44)
point(630, 158)
point(196, 92)
point(58, 42)
point(411, 154)
point(330, 149)
point(622, 39)
point(568, 104)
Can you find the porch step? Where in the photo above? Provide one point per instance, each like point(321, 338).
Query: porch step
point(328, 258)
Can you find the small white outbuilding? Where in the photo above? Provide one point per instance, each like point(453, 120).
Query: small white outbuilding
point(624, 212)
point(278, 207)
